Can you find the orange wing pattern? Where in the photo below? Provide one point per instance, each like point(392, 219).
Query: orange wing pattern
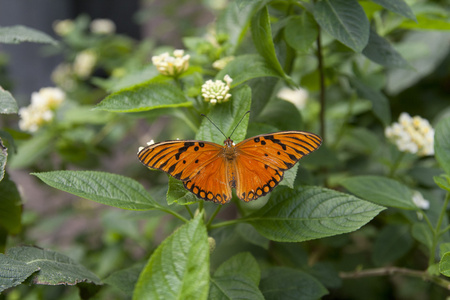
point(262, 160)
point(181, 159)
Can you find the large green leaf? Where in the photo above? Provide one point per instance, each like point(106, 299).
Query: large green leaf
point(18, 34)
point(444, 264)
point(179, 267)
point(290, 284)
point(380, 190)
point(144, 97)
point(443, 181)
point(306, 213)
point(106, 188)
point(236, 278)
point(391, 243)
point(345, 20)
point(398, 6)
point(227, 116)
point(301, 32)
point(246, 67)
point(54, 268)
point(425, 22)
point(14, 272)
point(10, 206)
point(8, 104)
point(442, 144)
point(262, 39)
point(177, 193)
point(380, 104)
point(379, 50)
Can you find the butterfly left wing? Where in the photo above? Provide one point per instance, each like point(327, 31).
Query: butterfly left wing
point(262, 160)
point(180, 159)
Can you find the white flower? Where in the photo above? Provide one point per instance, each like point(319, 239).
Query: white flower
point(62, 76)
point(40, 111)
point(222, 63)
point(419, 201)
point(84, 63)
point(298, 97)
point(412, 134)
point(103, 26)
point(217, 91)
point(172, 65)
point(63, 27)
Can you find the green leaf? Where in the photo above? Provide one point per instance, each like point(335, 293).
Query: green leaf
point(291, 120)
point(380, 104)
point(289, 176)
point(285, 283)
point(442, 144)
point(125, 279)
point(144, 97)
point(54, 268)
point(398, 6)
point(14, 272)
point(249, 233)
point(391, 243)
point(425, 22)
point(443, 181)
point(305, 213)
point(444, 265)
point(422, 233)
point(10, 206)
point(236, 278)
point(32, 150)
point(18, 34)
point(177, 193)
point(345, 20)
point(262, 39)
point(106, 188)
point(86, 115)
point(380, 51)
point(227, 116)
point(301, 32)
point(7, 103)
point(3, 159)
point(246, 67)
point(179, 267)
point(380, 190)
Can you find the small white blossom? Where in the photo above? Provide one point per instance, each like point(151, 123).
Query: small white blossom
point(103, 26)
point(63, 27)
point(414, 135)
point(419, 201)
point(140, 149)
point(41, 109)
point(84, 63)
point(217, 91)
point(298, 97)
point(222, 63)
point(172, 65)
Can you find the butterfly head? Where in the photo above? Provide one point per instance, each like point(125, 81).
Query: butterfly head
point(228, 143)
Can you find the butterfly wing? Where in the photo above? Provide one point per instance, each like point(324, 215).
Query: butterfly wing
point(261, 160)
point(200, 165)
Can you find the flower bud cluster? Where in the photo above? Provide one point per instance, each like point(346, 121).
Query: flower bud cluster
point(41, 110)
point(412, 134)
point(217, 91)
point(172, 65)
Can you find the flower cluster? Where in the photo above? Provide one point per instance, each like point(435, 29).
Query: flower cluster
point(63, 27)
point(41, 109)
point(217, 91)
point(222, 63)
point(84, 63)
point(412, 134)
point(103, 26)
point(172, 65)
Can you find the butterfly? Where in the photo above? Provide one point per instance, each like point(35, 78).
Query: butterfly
point(254, 167)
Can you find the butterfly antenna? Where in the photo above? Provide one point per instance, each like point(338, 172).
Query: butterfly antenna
point(203, 115)
point(247, 112)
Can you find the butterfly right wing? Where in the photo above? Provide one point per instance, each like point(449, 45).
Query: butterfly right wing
point(181, 159)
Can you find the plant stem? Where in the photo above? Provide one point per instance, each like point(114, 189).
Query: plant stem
point(173, 213)
point(189, 210)
point(213, 216)
point(395, 270)
point(322, 86)
point(225, 223)
point(437, 231)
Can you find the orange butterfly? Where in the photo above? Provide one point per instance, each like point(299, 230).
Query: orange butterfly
point(254, 167)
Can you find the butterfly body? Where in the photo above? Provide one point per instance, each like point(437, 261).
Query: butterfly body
point(254, 167)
